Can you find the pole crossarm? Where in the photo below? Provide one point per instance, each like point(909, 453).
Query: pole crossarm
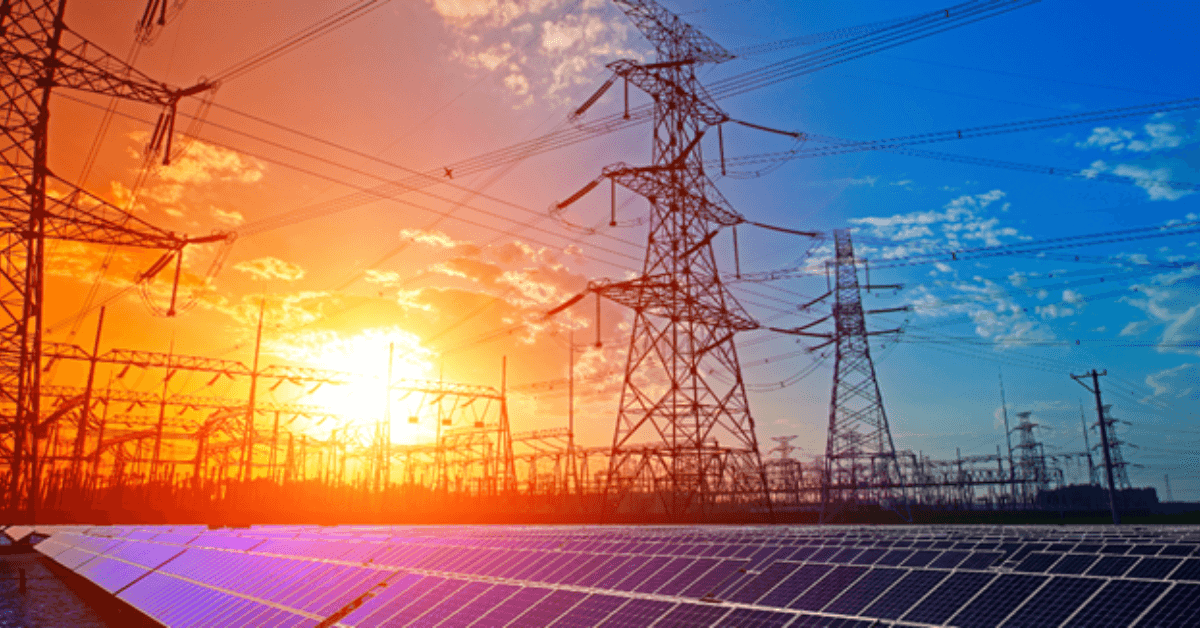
point(674, 39)
point(658, 182)
point(661, 295)
point(649, 78)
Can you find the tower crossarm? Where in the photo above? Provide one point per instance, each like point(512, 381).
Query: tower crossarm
point(661, 295)
point(674, 39)
point(656, 182)
point(650, 78)
point(84, 66)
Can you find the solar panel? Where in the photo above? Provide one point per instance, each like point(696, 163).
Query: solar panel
point(686, 577)
point(758, 585)
point(1054, 602)
point(589, 612)
point(981, 560)
point(671, 569)
point(794, 585)
point(893, 558)
point(997, 601)
point(486, 601)
point(444, 607)
point(1153, 568)
point(949, 559)
point(1037, 562)
point(920, 558)
point(641, 573)
point(755, 618)
point(1178, 608)
point(866, 589)
point(1117, 604)
point(949, 597)
point(1112, 566)
point(834, 583)
point(692, 615)
point(637, 613)
point(905, 593)
point(707, 584)
point(549, 609)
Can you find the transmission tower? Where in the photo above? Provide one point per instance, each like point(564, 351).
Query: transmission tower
point(1031, 459)
point(40, 53)
point(1120, 468)
point(684, 445)
point(860, 458)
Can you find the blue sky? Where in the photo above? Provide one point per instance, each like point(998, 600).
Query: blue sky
point(418, 85)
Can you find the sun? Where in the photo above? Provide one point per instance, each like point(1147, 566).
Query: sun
point(367, 355)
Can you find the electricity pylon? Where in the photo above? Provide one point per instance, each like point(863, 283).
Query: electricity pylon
point(860, 457)
point(684, 445)
point(40, 53)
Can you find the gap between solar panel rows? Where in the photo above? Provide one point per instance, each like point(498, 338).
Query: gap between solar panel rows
point(875, 574)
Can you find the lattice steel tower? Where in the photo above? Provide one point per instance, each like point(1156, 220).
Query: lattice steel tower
point(684, 445)
point(860, 457)
point(40, 53)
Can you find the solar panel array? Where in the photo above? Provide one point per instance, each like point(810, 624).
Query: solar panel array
point(583, 576)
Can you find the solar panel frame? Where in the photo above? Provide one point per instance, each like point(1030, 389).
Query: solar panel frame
point(829, 587)
point(637, 613)
point(997, 601)
point(496, 595)
point(904, 593)
point(590, 611)
point(949, 597)
point(865, 590)
point(512, 607)
point(1118, 604)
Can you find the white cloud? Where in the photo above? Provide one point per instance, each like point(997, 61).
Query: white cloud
point(1177, 382)
point(270, 268)
point(1158, 136)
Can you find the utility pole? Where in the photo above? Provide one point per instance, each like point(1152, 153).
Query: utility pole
point(86, 411)
point(248, 434)
point(1108, 469)
point(1012, 470)
point(162, 411)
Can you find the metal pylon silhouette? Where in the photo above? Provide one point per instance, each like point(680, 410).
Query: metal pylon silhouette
point(40, 53)
point(860, 458)
point(684, 445)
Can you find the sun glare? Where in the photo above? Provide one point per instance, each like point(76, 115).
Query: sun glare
point(364, 402)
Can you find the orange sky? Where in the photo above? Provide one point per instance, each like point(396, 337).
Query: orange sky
point(414, 85)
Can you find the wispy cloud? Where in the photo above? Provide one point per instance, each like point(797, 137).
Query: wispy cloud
point(265, 268)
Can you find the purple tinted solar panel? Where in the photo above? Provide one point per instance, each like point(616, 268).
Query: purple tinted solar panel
point(1112, 565)
point(758, 585)
point(110, 574)
point(1154, 568)
point(686, 577)
point(645, 570)
point(637, 613)
point(581, 573)
point(828, 588)
point(1054, 602)
point(614, 572)
point(673, 568)
point(893, 558)
point(864, 591)
point(1036, 562)
point(846, 556)
point(868, 557)
point(555, 565)
point(794, 585)
point(384, 597)
point(949, 560)
point(920, 558)
point(824, 554)
point(404, 615)
point(1189, 570)
point(754, 618)
point(801, 554)
point(549, 609)
point(590, 612)
point(691, 615)
point(903, 594)
point(486, 601)
point(509, 609)
point(1072, 564)
point(980, 560)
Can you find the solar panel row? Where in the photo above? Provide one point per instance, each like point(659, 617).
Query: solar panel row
point(456, 576)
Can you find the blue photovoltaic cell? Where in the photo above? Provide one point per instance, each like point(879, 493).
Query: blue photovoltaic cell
point(893, 558)
point(828, 588)
point(110, 574)
point(1153, 568)
point(1004, 594)
point(637, 613)
point(824, 554)
point(1117, 604)
point(949, 597)
point(866, 589)
point(1112, 566)
point(754, 618)
point(1189, 570)
point(845, 556)
point(1036, 562)
point(920, 558)
point(549, 609)
point(1176, 550)
point(1114, 548)
point(485, 602)
point(903, 594)
point(757, 586)
point(1073, 564)
point(1054, 602)
point(980, 560)
point(1177, 609)
point(685, 578)
point(713, 578)
point(868, 557)
point(590, 612)
point(692, 615)
point(802, 553)
point(792, 586)
point(509, 609)
point(1146, 550)
point(949, 559)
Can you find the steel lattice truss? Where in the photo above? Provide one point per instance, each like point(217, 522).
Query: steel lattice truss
point(40, 53)
point(684, 443)
point(860, 458)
